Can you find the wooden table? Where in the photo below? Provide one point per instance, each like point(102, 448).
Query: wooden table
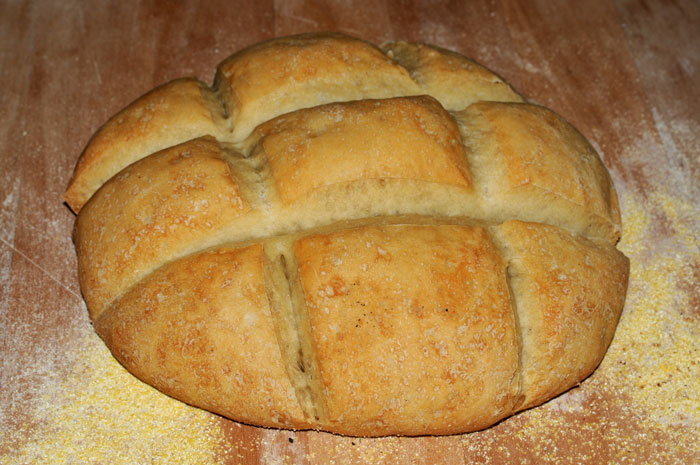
point(626, 73)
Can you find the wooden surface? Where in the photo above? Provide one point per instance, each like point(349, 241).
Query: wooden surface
point(626, 73)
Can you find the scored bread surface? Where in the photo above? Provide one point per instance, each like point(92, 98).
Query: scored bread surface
point(335, 236)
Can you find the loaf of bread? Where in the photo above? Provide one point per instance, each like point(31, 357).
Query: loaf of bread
point(362, 240)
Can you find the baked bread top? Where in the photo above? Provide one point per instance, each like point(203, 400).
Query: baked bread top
point(362, 240)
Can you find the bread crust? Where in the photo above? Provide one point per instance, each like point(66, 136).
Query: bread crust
point(367, 241)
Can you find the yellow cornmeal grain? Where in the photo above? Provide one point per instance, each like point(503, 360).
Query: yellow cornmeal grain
point(657, 338)
point(100, 414)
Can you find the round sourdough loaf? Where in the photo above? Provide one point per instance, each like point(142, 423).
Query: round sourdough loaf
point(335, 236)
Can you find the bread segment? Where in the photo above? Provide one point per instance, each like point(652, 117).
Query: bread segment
point(163, 207)
point(569, 293)
point(283, 75)
point(453, 79)
point(412, 327)
point(166, 116)
point(201, 330)
point(400, 138)
point(529, 164)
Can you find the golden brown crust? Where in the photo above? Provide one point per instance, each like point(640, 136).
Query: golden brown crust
point(401, 138)
point(154, 211)
point(533, 165)
point(315, 69)
point(168, 115)
point(413, 328)
point(364, 261)
point(453, 79)
point(569, 293)
point(214, 345)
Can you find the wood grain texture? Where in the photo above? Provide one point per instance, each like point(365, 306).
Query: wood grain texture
point(624, 72)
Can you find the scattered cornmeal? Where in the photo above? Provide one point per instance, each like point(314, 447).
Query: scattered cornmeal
point(100, 414)
point(658, 337)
